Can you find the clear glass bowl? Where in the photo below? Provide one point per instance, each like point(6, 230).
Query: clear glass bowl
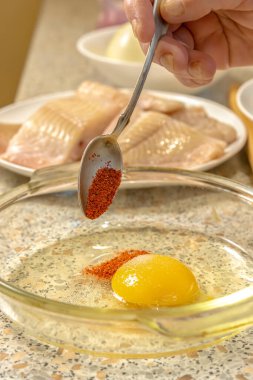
point(202, 219)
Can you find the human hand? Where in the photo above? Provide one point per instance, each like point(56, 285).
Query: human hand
point(203, 35)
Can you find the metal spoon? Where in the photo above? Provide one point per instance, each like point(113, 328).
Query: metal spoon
point(104, 149)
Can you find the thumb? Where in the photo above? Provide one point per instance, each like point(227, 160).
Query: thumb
point(179, 11)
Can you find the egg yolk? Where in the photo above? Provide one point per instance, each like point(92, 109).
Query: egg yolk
point(155, 280)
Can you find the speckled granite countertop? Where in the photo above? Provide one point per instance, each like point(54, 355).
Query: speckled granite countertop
point(54, 65)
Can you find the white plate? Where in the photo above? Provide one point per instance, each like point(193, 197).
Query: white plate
point(20, 111)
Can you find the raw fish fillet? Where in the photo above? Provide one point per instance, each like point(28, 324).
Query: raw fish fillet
point(148, 102)
point(60, 130)
point(157, 139)
point(7, 131)
point(137, 111)
point(198, 118)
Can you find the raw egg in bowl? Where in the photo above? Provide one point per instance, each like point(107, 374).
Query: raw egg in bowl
point(167, 269)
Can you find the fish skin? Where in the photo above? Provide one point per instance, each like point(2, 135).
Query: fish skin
point(7, 131)
point(167, 142)
point(197, 118)
point(146, 102)
point(60, 130)
point(149, 102)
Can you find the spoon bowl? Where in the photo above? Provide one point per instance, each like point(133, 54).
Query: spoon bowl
point(102, 151)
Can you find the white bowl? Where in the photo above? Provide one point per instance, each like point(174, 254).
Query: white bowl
point(241, 74)
point(244, 98)
point(125, 74)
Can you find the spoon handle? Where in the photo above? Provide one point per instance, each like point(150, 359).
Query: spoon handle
point(160, 29)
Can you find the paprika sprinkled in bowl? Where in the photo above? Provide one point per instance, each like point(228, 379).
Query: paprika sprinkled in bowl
point(106, 269)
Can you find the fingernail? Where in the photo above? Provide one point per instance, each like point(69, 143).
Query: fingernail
point(195, 70)
point(167, 61)
point(135, 27)
point(173, 7)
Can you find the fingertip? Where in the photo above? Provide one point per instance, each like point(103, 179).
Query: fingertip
point(145, 47)
point(191, 67)
point(171, 54)
point(193, 83)
point(201, 66)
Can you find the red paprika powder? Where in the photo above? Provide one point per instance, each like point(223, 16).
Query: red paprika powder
point(107, 269)
point(102, 191)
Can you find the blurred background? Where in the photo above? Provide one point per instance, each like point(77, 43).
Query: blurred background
point(20, 21)
point(17, 22)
